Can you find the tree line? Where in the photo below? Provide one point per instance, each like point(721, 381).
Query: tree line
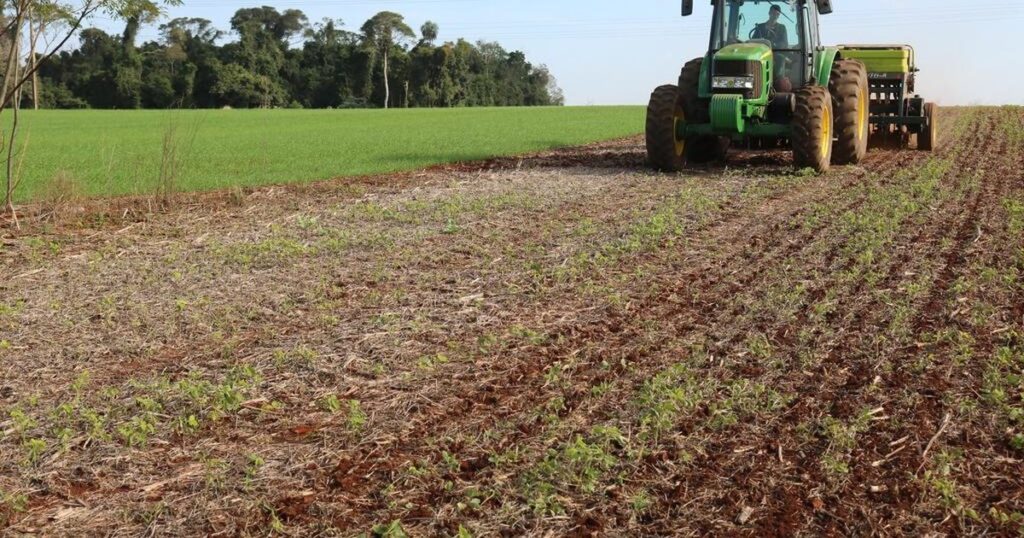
point(280, 59)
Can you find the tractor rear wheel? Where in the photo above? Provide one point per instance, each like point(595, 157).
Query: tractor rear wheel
point(665, 151)
point(928, 136)
point(813, 129)
point(848, 85)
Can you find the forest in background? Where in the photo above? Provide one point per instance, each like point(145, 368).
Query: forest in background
point(280, 59)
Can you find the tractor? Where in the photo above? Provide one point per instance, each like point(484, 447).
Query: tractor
point(767, 82)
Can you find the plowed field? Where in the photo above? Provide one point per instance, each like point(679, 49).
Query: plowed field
point(560, 344)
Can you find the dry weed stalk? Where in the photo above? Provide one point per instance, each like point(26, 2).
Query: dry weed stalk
point(174, 152)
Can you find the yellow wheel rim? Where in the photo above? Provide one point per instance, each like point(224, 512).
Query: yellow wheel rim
point(862, 116)
point(826, 132)
point(680, 144)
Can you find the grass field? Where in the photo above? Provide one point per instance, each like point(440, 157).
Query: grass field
point(120, 152)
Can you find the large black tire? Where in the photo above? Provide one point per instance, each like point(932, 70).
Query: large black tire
point(848, 85)
point(929, 136)
point(813, 129)
point(697, 110)
point(700, 149)
point(665, 151)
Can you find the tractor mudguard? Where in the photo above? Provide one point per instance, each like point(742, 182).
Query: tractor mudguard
point(704, 87)
point(823, 67)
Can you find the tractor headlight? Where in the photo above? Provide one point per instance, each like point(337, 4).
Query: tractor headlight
point(733, 83)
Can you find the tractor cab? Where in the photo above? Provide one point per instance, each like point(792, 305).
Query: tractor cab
point(782, 33)
point(785, 28)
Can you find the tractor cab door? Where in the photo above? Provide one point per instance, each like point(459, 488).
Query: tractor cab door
point(812, 44)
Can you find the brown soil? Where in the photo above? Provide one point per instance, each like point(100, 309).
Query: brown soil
point(557, 344)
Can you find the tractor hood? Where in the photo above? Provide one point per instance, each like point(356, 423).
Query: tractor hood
point(744, 52)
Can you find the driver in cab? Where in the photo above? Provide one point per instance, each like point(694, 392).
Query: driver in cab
point(772, 30)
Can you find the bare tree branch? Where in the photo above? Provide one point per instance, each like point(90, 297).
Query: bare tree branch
point(88, 9)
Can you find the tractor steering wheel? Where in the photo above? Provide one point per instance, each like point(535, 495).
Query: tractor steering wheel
point(767, 34)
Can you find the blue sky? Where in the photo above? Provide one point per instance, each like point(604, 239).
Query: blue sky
point(614, 52)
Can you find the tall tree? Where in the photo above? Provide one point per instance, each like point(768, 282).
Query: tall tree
point(324, 74)
point(382, 32)
point(263, 42)
point(127, 68)
point(428, 33)
point(281, 26)
point(193, 55)
point(182, 30)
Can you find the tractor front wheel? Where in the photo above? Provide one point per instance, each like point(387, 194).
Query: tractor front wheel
point(697, 110)
point(813, 129)
point(848, 85)
point(928, 136)
point(665, 111)
point(700, 149)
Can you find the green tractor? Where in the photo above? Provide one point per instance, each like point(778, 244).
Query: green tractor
point(768, 82)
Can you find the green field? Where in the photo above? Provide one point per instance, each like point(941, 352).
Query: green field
point(102, 152)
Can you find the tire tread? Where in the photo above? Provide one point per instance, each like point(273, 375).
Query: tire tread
point(848, 80)
point(811, 103)
point(661, 111)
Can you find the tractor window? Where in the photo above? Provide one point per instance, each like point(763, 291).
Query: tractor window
point(773, 22)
